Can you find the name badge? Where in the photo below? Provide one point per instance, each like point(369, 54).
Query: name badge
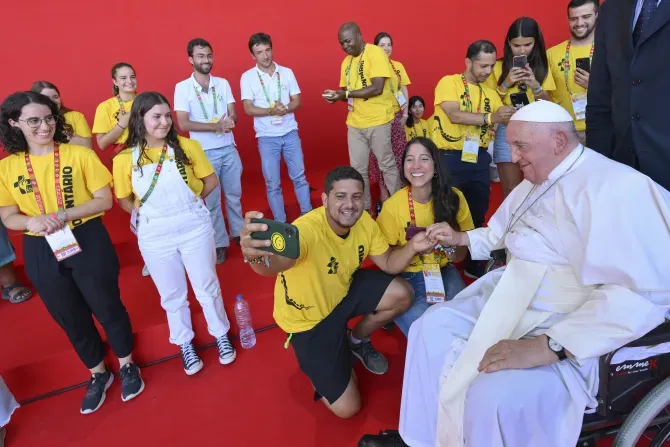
point(63, 243)
point(350, 103)
point(470, 149)
point(134, 223)
point(579, 106)
point(277, 120)
point(216, 119)
point(401, 99)
point(432, 278)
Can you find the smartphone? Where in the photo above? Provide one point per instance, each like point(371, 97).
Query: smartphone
point(410, 232)
point(584, 63)
point(285, 238)
point(519, 99)
point(520, 61)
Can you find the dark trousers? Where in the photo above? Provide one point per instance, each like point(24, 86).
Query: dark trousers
point(80, 287)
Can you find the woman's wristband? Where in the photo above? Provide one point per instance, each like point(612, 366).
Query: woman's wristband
point(120, 126)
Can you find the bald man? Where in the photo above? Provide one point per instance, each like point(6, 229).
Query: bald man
point(364, 85)
point(578, 243)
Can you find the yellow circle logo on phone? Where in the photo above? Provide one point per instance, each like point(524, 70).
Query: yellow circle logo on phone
point(278, 242)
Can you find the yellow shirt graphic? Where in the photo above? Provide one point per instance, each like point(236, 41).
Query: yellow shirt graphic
point(356, 73)
point(419, 129)
point(394, 220)
point(106, 117)
point(82, 174)
point(548, 85)
point(200, 167)
point(451, 89)
point(320, 279)
point(78, 123)
point(561, 95)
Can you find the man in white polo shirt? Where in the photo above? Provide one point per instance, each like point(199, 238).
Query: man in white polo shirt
point(206, 108)
point(271, 95)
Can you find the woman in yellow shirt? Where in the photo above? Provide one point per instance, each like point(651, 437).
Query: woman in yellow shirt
point(517, 86)
point(162, 179)
point(76, 127)
point(416, 126)
point(428, 198)
point(56, 193)
point(398, 85)
point(111, 117)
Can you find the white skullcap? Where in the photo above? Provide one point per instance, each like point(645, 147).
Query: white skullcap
point(542, 112)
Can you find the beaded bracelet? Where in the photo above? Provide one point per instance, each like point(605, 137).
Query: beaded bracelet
point(258, 260)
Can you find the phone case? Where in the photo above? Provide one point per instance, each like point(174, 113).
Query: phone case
point(519, 99)
point(285, 238)
point(410, 232)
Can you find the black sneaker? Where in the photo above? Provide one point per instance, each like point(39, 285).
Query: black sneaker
point(372, 359)
point(96, 391)
point(131, 381)
point(387, 438)
point(191, 361)
point(227, 353)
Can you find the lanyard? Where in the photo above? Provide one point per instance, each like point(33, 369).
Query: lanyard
point(121, 106)
point(33, 182)
point(397, 72)
point(267, 96)
point(202, 104)
point(412, 216)
point(423, 129)
point(566, 62)
point(467, 96)
point(159, 167)
point(360, 62)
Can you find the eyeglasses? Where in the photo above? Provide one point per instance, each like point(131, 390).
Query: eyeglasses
point(35, 122)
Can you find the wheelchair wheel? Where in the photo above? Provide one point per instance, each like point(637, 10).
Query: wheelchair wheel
point(645, 415)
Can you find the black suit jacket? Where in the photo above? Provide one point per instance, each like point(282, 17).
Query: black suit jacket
point(628, 109)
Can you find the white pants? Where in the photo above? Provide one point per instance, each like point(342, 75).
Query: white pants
point(7, 404)
point(172, 243)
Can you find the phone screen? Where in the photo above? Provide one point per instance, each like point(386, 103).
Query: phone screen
point(584, 63)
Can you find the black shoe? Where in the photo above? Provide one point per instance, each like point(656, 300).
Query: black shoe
point(190, 359)
point(221, 255)
point(474, 269)
point(131, 381)
point(373, 360)
point(96, 392)
point(386, 438)
point(389, 326)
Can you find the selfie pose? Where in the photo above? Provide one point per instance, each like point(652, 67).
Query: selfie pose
point(161, 179)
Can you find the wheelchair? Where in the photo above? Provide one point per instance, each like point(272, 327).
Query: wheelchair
point(633, 397)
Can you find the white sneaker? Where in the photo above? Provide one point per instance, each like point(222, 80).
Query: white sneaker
point(493, 173)
point(145, 271)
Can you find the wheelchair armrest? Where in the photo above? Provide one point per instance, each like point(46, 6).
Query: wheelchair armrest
point(660, 334)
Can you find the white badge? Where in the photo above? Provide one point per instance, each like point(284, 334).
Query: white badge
point(63, 243)
point(277, 120)
point(133, 221)
point(350, 102)
point(401, 99)
point(579, 106)
point(432, 278)
point(470, 149)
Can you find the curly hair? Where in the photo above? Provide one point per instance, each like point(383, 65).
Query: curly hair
point(11, 137)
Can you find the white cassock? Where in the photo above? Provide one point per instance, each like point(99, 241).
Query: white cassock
point(7, 404)
point(587, 265)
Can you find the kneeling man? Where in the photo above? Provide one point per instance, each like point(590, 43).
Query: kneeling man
point(513, 359)
point(317, 294)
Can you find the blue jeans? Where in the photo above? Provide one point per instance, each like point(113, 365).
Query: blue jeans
point(453, 284)
point(271, 150)
point(228, 168)
point(6, 249)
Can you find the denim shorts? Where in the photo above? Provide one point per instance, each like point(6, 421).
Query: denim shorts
point(502, 151)
point(6, 249)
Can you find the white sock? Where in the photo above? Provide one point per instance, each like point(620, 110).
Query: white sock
point(353, 339)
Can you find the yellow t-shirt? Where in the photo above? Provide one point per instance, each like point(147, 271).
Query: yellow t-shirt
point(82, 174)
point(400, 79)
point(107, 116)
point(394, 220)
point(372, 63)
point(420, 129)
point(548, 85)
point(561, 95)
point(78, 123)
point(320, 279)
point(451, 89)
point(200, 167)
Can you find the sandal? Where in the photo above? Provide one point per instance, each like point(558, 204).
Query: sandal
point(17, 293)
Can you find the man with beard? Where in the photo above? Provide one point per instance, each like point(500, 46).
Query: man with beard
point(317, 294)
point(270, 94)
point(206, 108)
point(571, 76)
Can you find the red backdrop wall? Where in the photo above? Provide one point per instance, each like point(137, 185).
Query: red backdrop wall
point(74, 43)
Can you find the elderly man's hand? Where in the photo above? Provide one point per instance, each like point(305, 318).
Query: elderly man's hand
point(518, 354)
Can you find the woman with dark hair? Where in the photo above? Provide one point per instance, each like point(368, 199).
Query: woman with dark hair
point(56, 193)
point(76, 127)
point(517, 86)
point(162, 179)
point(111, 117)
point(428, 200)
point(416, 126)
point(398, 86)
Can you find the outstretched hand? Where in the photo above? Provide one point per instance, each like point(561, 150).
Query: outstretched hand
point(250, 247)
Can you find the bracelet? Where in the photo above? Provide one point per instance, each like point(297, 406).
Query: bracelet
point(538, 91)
point(346, 94)
point(489, 119)
point(501, 94)
point(257, 260)
point(505, 84)
point(62, 215)
point(121, 127)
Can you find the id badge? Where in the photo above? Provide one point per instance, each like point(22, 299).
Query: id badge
point(277, 120)
point(470, 149)
point(216, 119)
point(432, 278)
point(579, 106)
point(350, 103)
point(401, 99)
point(63, 243)
point(134, 223)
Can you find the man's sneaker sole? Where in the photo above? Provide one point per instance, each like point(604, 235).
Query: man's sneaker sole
point(133, 396)
point(104, 396)
point(190, 372)
point(228, 360)
point(366, 366)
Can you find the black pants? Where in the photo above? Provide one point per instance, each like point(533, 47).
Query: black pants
point(77, 288)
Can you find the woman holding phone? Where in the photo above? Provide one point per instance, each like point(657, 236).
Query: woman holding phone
point(520, 77)
point(162, 179)
point(428, 201)
point(111, 117)
point(76, 127)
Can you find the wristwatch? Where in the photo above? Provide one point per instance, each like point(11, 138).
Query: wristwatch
point(556, 348)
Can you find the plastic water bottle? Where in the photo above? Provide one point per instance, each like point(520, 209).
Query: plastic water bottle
point(243, 317)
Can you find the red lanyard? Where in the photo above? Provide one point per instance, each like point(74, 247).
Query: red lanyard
point(566, 62)
point(33, 182)
point(412, 216)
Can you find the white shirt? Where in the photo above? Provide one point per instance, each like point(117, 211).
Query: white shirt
point(186, 100)
point(252, 90)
